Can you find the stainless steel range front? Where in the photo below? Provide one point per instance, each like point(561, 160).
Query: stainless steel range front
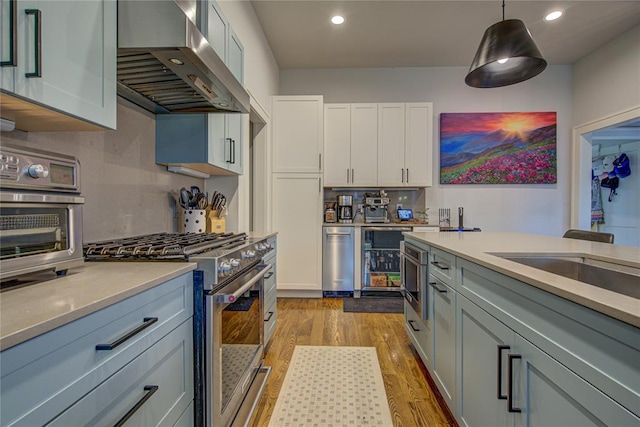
point(228, 319)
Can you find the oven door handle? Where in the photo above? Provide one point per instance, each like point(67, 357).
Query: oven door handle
point(229, 298)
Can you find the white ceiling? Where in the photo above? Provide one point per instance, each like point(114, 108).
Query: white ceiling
point(429, 33)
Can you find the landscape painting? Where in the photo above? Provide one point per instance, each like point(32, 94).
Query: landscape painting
point(498, 148)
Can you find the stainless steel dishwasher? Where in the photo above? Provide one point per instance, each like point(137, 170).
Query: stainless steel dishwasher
point(338, 245)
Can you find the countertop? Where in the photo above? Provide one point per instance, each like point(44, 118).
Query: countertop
point(261, 234)
point(31, 310)
point(478, 248)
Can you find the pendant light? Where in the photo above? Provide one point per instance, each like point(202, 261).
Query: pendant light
point(507, 55)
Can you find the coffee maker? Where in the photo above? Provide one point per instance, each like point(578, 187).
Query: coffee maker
point(345, 209)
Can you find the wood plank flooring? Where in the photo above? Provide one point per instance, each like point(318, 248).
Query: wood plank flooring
point(412, 401)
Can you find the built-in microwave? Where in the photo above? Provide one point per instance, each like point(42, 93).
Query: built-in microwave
point(413, 277)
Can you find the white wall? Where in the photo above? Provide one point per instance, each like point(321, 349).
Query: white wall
point(542, 209)
point(607, 81)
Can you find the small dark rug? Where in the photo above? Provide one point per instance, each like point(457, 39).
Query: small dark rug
point(373, 305)
point(242, 304)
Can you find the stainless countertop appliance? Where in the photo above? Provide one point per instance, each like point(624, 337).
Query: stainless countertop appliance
point(40, 211)
point(338, 244)
point(228, 291)
point(345, 209)
point(376, 210)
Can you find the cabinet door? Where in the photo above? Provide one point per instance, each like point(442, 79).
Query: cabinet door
point(233, 126)
point(364, 144)
point(337, 140)
point(419, 331)
point(218, 143)
point(481, 367)
point(418, 145)
point(77, 61)
point(297, 215)
point(8, 43)
point(444, 344)
point(235, 56)
point(549, 394)
point(216, 29)
point(297, 134)
point(391, 144)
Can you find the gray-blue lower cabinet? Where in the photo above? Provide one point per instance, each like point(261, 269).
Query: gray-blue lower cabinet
point(270, 292)
point(43, 378)
point(507, 381)
point(419, 330)
point(444, 338)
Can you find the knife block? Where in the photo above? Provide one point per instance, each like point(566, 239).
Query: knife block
point(215, 224)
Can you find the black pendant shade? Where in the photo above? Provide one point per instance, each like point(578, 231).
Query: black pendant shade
point(505, 39)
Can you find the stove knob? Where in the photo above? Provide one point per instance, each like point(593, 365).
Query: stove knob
point(234, 262)
point(249, 254)
point(261, 247)
point(267, 246)
point(224, 267)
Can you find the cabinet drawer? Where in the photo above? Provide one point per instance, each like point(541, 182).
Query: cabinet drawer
point(167, 365)
point(443, 266)
point(420, 333)
point(270, 315)
point(43, 376)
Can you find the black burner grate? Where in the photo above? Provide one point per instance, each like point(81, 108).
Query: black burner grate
point(160, 246)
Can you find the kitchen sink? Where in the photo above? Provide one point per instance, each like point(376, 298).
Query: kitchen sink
point(582, 269)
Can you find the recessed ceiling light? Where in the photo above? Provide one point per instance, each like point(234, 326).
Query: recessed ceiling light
point(552, 16)
point(337, 19)
point(503, 60)
point(176, 61)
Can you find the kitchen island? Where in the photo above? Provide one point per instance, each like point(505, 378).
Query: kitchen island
point(511, 344)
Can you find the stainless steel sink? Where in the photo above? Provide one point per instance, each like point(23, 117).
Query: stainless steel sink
point(579, 268)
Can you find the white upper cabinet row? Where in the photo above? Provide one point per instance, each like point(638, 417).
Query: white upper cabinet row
point(386, 145)
point(58, 73)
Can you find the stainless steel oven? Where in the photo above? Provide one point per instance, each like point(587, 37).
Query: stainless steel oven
point(40, 212)
point(413, 277)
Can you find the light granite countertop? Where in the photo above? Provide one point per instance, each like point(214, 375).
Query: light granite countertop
point(479, 247)
point(31, 310)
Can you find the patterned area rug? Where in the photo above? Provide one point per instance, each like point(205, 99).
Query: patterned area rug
point(332, 386)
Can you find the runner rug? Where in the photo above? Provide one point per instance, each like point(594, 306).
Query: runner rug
point(332, 386)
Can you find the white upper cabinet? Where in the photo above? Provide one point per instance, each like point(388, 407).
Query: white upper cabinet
point(297, 134)
point(60, 55)
point(391, 124)
point(350, 145)
point(405, 147)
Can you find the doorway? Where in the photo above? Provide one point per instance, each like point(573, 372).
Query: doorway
point(607, 138)
point(259, 161)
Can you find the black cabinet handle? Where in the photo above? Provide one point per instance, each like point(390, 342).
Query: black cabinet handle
point(510, 358)
point(437, 287)
point(150, 389)
point(500, 348)
point(229, 139)
point(13, 30)
point(413, 327)
point(269, 317)
point(37, 13)
point(268, 275)
point(147, 321)
point(233, 141)
point(437, 264)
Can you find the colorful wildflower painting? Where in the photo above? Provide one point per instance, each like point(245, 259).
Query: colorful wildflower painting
point(498, 148)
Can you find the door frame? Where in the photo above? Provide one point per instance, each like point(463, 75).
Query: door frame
point(260, 167)
point(581, 165)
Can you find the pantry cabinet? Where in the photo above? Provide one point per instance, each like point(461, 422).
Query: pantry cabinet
point(62, 64)
point(297, 134)
point(297, 215)
point(350, 145)
point(405, 147)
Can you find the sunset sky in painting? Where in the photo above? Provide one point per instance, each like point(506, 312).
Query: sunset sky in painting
point(460, 123)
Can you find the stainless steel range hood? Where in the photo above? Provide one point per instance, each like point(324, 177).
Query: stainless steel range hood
point(166, 65)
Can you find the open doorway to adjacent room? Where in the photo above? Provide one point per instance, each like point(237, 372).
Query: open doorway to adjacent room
point(258, 165)
point(603, 141)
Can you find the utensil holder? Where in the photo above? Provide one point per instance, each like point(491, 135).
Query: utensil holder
point(195, 221)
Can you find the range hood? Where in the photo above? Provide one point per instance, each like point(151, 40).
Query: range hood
point(166, 65)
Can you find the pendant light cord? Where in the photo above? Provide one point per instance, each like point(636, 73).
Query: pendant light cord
point(503, 10)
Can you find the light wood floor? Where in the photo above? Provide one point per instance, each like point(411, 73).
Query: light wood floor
point(322, 322)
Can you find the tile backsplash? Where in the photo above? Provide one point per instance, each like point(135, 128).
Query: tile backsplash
point(409, 199)
point(126, 192)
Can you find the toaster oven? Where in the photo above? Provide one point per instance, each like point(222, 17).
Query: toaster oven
point(40, 212)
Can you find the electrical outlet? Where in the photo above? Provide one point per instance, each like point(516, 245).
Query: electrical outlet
point(399, 206)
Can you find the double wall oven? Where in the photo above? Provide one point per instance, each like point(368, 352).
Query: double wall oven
point(228, 314)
